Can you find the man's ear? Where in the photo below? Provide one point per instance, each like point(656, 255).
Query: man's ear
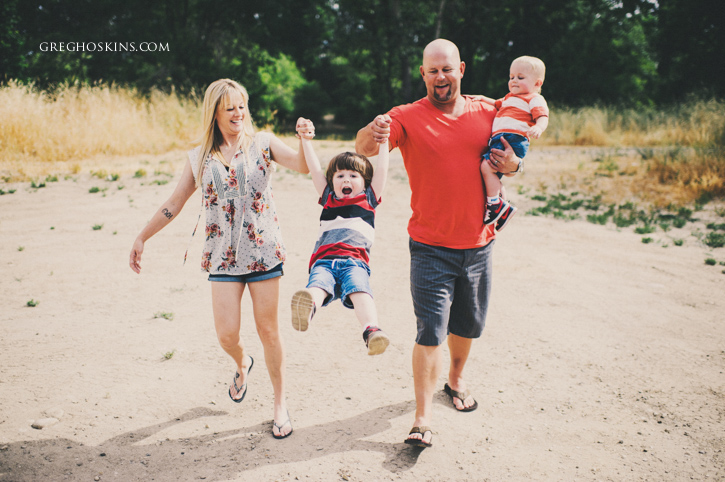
point(463, 67)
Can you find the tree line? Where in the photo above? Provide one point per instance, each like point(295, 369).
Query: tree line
point(355, 59)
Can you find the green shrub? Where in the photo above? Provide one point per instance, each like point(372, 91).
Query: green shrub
point(715, 240)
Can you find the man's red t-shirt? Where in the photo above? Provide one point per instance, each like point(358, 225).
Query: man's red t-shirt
point(442, 156)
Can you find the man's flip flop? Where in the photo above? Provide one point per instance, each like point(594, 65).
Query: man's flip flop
point(462, 396)
point(279, 428)
point(243, 387)
point(419, 442)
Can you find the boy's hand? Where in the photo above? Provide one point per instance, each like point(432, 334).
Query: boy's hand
point(305, 129)
point(535, 132)
point(381, 128)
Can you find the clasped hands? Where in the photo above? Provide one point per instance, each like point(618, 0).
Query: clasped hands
point(305, 129)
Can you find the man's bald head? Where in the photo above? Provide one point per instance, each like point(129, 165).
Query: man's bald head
point(444, 47)
point(442, 71)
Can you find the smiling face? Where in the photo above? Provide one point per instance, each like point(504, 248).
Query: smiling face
point(523, 79)
point(230, 114)
point(442, 71)
point(347, 183)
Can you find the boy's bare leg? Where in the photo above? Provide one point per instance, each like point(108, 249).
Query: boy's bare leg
point(304, 304)
point(367, 315)
point(365, 310)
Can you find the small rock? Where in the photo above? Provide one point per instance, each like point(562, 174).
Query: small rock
point(44, 423)
point(96, 478)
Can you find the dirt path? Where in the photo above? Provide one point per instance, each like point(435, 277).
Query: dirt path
point(602, 359)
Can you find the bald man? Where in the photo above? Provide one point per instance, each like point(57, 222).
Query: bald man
point(442, 137)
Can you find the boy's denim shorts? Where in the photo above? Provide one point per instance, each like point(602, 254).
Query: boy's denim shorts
point(339, 278)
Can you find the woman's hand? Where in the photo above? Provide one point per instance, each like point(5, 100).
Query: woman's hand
point(135, 259)
point(305, 129)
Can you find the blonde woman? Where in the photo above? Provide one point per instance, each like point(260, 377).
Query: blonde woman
point(243, 246)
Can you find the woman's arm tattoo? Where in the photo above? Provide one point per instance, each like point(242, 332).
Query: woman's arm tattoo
point(167, 213)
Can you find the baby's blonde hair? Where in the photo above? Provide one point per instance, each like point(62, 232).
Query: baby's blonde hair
point(537, 66)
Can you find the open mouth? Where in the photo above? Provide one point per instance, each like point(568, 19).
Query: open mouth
point(442, 92)
point(346, 190)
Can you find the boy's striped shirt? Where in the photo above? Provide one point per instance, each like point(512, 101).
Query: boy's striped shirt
point(516, 113)
point(347, 226)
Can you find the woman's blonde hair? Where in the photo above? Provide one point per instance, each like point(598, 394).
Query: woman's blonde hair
point(219, 92)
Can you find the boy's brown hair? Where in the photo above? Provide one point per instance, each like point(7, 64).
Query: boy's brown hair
point(350, 161)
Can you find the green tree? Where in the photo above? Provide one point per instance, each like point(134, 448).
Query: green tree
point(691, 48)
point(12, 60)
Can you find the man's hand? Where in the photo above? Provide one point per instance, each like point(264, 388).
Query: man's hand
point(381, 128)
point(503, 161)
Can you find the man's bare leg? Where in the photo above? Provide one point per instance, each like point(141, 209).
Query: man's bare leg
point(459, 348)
point(427, 365)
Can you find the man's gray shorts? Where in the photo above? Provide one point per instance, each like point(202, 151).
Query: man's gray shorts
point(450, 289)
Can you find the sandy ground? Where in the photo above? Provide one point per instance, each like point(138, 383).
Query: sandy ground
point(602, 359)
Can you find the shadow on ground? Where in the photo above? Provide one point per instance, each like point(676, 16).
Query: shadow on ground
point(219, 456)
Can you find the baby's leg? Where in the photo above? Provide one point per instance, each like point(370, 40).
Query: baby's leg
point(491, 182)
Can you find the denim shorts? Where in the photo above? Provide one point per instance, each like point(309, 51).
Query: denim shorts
point(339, 278)
point(519, 144)
point(249, 277)
point(450, 290)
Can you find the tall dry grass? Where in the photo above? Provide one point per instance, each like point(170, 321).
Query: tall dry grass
point(697, 123)
point(683, 147)
point(73, 123)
